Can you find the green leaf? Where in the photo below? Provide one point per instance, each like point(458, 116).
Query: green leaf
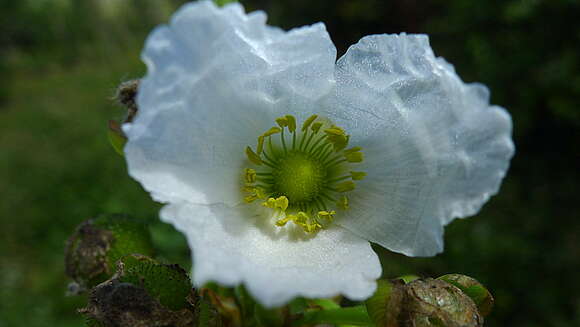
point(325, 304)
point(269, 317)
point(386, 304)
point(222, 3)
point(116, 137)
point(356, 316)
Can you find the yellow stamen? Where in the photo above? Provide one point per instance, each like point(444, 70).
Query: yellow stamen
point(249, 175)
point(308, 121)
point(357, 175)
point(255, 193)
point(291, 123)
point(337, 137)
point(343, 203)
point(328, 215)
point(253, 157)
point(260, 144)
point(277, 203)
point(354, 156)
point(316, 127)
point(272, 131)
point(282, 121)
point(353, 149)
point(345, 186)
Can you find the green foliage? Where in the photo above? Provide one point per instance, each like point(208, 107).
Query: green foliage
point(222, 3)
point(117, 141)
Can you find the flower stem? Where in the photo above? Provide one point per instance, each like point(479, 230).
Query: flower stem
point(356, 316)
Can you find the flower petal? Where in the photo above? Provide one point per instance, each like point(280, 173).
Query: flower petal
point(231, 246)
point(435, 149)
point(216, 80)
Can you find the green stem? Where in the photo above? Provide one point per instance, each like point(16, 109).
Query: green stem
point(356, 316)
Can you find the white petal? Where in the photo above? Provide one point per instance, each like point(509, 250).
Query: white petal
point(232, 246)
point(435, 149)
point(216, 80)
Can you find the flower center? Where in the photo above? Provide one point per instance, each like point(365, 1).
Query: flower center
point(298, 177)
point(303, 177)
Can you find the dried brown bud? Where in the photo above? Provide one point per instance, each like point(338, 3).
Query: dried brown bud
point(118, 304)
point(422, 303)
point(126, 96)
point(85, 256)
point(145, 293)
point(94, 248)
point(435, 303)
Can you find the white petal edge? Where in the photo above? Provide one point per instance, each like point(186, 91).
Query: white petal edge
point(435, 149)
point(230, 247)
point(216, 80)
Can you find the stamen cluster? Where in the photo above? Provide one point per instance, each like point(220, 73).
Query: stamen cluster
point(303, 176)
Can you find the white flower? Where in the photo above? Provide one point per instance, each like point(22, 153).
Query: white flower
point(218, 79)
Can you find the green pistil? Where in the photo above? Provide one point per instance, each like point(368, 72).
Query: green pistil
point(302, 181)
point(299, 178)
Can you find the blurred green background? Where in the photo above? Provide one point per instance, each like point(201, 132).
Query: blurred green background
point(60, 61)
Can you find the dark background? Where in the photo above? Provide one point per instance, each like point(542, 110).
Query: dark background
point(60, 61)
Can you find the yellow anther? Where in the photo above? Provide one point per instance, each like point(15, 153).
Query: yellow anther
point(316, 127)
point(252, 156)
point(308, 121)
point(280, 202)
point(302, 217)
point(249, 175)
point(328, 215)
point(334, 130)
point(345, 186)
point(312, 227)
point(291, 123)
point(284, 221)
point(354, 156)
point(353, 149)
point(357, 175)
point(342, 203)
point(282, 121)
point(270, 203)
point(337, 137)
point(260, 144)
point(272, 131)
point(255, 193)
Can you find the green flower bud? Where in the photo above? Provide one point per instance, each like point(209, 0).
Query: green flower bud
point(474, 289)
point(144, 293)
point(92, 251)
